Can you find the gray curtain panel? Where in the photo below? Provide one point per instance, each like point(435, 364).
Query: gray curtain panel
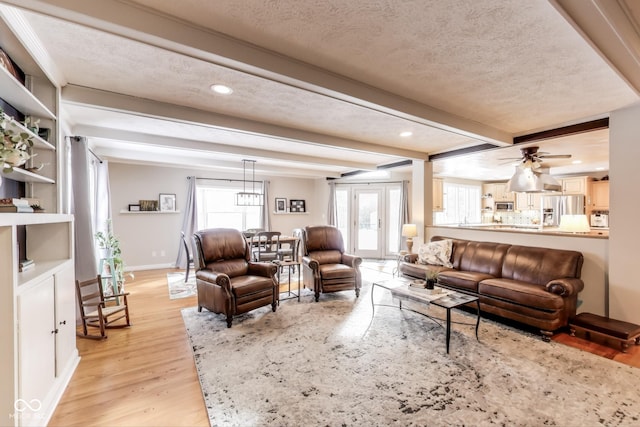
point(85, 252)
point(189, 222)
point(331, 210)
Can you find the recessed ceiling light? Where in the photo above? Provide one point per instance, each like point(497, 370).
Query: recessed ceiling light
point(577, 162)
point(221, 89)
point(406, 134)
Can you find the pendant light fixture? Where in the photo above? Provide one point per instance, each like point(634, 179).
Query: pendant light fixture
point(251, 198)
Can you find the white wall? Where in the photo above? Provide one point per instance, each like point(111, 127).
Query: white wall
point(152, 240)
point(624, 234)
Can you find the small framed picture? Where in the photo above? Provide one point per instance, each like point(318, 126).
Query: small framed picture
point(281, 205)
point(296, 206)
point(134, 208)
point(167, 202)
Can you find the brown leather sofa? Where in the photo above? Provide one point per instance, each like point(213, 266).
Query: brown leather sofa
point(534, 286)
point(227, 281)
point(325, 266)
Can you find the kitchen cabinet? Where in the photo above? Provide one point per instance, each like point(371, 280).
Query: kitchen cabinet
point(598, 196)
point(37, 316)
point(501, 194)
point(575, 185)
point(528, 201)
point(438, 196)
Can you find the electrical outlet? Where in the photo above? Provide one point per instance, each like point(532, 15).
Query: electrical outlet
point(154, 254)
point(163, 253)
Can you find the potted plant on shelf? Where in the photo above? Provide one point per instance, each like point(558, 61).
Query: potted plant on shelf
point(110, 245)
point(14, 146)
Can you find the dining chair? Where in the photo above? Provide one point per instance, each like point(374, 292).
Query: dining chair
point(265, 245)
point(189, 256)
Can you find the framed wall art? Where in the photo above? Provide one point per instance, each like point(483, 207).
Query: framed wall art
point(167, 202)
point(297, 206)
point(134, 208)
point(281, 205)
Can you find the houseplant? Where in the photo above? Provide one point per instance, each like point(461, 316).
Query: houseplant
point(110, 245)
point(431, 277)
point(14, 146)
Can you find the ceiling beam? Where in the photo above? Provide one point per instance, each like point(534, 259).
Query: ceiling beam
point(210, 147)
point(563, 131)
point(144, 107)
point(146, 26)
point(611, 29)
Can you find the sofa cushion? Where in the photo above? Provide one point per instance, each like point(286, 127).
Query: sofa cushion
point(523, 293)
point(540, 265)
point(336, 271)
point(484, 257)
point(466, 280)
point(436, 253)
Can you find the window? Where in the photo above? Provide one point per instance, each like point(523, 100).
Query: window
point(461, 204)
point(217, 208)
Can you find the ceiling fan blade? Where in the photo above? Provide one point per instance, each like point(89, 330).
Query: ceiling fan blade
point(556, 156)
point(511, 158)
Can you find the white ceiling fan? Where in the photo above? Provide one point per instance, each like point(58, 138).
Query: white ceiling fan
point(529, 176)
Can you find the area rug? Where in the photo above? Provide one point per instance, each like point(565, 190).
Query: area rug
point(178, 288)
point(333, 363)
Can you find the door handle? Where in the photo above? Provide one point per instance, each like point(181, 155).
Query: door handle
point(379, 223)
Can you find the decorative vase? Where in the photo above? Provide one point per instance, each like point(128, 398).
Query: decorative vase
point(431, 283)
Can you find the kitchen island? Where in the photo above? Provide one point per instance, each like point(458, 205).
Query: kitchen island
point(594, 247)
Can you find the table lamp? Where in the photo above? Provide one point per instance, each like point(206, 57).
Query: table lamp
point(574, 224)
point(409, 231)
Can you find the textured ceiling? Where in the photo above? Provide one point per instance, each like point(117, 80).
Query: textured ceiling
point(323, 88)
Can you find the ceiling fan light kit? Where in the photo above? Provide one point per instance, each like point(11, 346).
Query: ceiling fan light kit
point(530, 176)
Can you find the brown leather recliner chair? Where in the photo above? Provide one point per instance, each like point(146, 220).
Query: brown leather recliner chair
point(227, 281)
point(325, 266)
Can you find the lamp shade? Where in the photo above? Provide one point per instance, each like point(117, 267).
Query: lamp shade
point(574, 224)
point(409, 230)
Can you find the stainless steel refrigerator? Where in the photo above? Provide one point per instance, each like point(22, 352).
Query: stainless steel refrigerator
point(553, 207)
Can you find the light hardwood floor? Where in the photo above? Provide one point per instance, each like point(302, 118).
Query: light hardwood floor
point(145, 375)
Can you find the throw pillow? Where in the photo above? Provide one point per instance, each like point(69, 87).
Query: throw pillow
point(436, 253)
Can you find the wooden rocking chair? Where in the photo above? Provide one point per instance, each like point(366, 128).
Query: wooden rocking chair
point(99, 311)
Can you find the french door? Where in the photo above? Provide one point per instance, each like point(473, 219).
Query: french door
point(369, 219)
point(367, 225)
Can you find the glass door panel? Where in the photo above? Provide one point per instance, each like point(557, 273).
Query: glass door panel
point(368, 223)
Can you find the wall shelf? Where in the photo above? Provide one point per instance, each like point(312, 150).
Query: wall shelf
point(125, 211)
point(16, 94)
point(38, 142)
point(291, 213)
point(25, 176)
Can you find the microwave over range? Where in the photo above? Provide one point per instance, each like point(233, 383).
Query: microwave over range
point(503, 206)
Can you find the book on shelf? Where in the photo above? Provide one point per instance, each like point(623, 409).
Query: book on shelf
point(14, 208)
point(15, 205)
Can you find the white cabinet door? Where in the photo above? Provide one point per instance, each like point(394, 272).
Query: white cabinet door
point(438, 197)
point(36, 343)
point(65, 317)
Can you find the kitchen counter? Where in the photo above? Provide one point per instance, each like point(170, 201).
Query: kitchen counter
point(521, 228)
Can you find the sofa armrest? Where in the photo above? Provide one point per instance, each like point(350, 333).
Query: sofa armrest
point(265, 269)
point(351, 260)
point(565, 287)
point(410, 258)
point(311, 263)
point(215, 278)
